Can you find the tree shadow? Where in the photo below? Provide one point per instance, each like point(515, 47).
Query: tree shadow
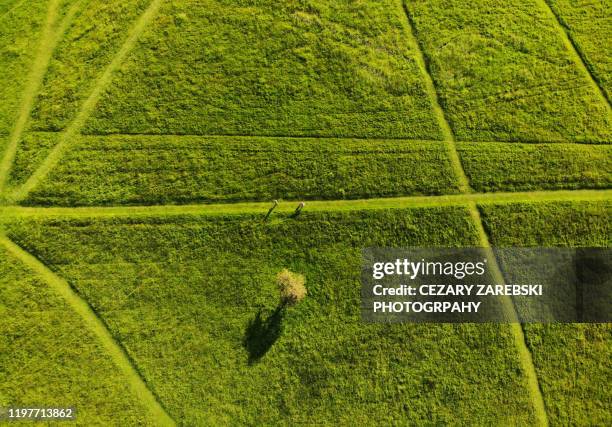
point(261, 333)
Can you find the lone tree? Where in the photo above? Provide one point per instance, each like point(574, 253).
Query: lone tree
point(291, 287)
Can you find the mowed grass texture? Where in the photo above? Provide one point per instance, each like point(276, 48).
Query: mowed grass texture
point(294, 68)
point(87, 46)
point(221, 101)
point(48, 358)
point(192, 299)
point(145, 170)
point(33, 148)
point(590, 28)
point(20, 27)
point(572, 360)
point(503, 73)
point(170, 169)
point(493, 166)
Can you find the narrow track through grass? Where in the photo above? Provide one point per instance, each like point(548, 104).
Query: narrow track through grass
point(96, 325)
point(516, 328)
point(39, 67)
point(447, 132)
point(464, 185)
point(14, 212)
point(89, 104)
point(575, 52)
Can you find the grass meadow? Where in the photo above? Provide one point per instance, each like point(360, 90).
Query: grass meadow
point(572, 360)
point(504, 74)
point(122, 291)
point(191, 169)
point(192, 300)
point(48, 356)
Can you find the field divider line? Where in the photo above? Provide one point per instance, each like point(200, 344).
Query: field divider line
point(9, 213)
point(524, 354)
point(35, 78)
point(330, 138)
point(575, 51)
point(89, 105)
point(49, 41)
point(96, 326)
point(447, 132)
point(516, 328)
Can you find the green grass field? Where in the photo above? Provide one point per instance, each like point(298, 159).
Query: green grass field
point(20, 29)
point(572, 360)
point(189, 169)
point(321, 69)
point(47, 356)
point(588, 25)
point(142, 143)
point(519, 167)
point(182, 311)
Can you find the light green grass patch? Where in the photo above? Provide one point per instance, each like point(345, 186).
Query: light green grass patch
point(19, 38)
point(572, 360)
point(590, 27)
point(268, 68)
point(33, 147)
point(549, 224)
point(48, 358)
point(7, 7)
point(517, 167)
point(181, 292)
point(503, 73)
point(3, 141)
point(170, 169)
point(80, 57)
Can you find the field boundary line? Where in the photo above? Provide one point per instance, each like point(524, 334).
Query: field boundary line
point(339, 138)
point(533, 386)
point(342, 138)
point(95, 325)
point(447, 132)
point(575, 51)
point(516, 328)
point(89, 105)
point(36, 75)
point(50, 40)
point(287, 207)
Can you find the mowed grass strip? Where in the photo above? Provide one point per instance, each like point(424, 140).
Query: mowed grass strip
point(86, 48)
point(522, 167)
point(268, 68)
point(48, 357)
point(503, 73)
point(572, 360)
point(19, 38)
point(33, 148)
point(145, 170)
point(192, 298)
point(590, 28)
